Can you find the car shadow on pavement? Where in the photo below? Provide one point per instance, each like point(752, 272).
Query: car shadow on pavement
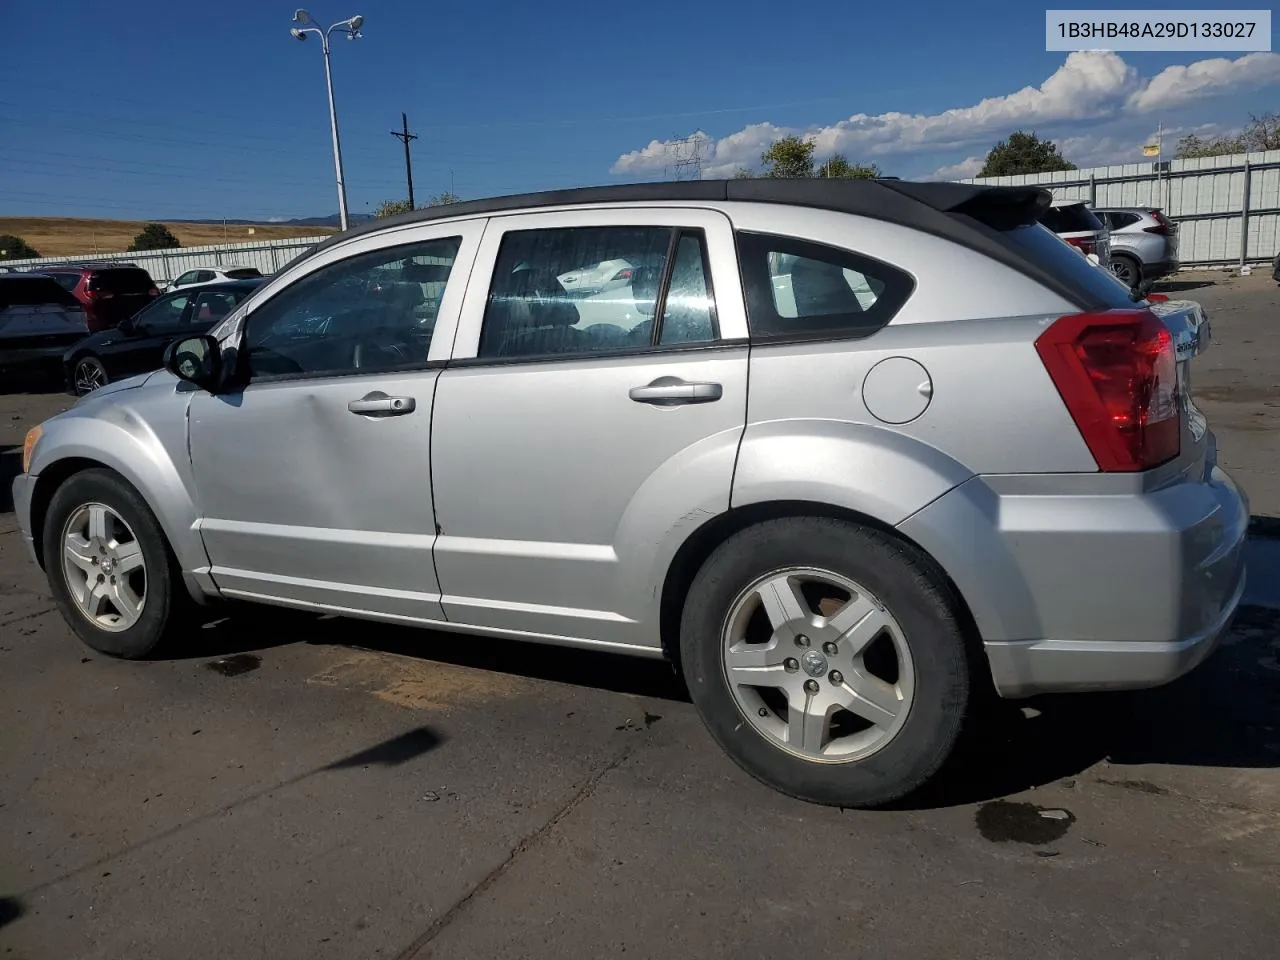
point(1179, 286)
point(10, 467)
point(10, 909)
point(1225, 713)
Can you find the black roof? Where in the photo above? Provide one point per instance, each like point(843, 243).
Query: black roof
point(973, 215)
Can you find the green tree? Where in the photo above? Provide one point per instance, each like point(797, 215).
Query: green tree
point(442, 199)
point(788, 157)
point(154, 236)
point(838, 167)
point(1024, 153)
point(1262, 133)
point(15, 248)
point(742, 173)
point(389, 208)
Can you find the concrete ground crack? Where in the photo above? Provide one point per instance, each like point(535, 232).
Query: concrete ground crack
point(492, 877)
point(26, 616)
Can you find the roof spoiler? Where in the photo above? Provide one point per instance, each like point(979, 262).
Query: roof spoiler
point(1001, 208)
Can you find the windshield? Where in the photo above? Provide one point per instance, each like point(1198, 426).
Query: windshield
point(122, 280)
point(33, 291)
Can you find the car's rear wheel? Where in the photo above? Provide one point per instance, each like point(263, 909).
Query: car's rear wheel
point(89, 374)
point(826, 659)
point(1127, 270)
point(109, 566)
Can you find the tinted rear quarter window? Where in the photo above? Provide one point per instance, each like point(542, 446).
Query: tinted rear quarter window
point(1074, 218)
point(797, 289)
point(247, 273)
point(121, 280)
point(33, 291)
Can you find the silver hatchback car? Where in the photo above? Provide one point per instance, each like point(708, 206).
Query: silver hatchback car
point(851, 454)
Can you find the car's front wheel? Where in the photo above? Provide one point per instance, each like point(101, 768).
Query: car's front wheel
point(826, 659)
point(109, 566)
point(88, 375)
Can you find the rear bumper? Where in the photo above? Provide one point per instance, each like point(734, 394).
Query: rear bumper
point(1087, 589)
point(1160, 268)
point(1029, 667)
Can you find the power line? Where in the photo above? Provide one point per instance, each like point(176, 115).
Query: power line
point(404, 136)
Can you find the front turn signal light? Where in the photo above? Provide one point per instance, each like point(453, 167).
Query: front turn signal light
point(29, 445)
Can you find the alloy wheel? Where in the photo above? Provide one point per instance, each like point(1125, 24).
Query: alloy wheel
point(818, 665)
point(105, 570)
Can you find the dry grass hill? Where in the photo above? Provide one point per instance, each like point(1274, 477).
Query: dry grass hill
point(62, 236)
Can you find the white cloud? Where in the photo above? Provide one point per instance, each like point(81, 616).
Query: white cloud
point(1089, 85)
point(1178, 85)
point(968, 167)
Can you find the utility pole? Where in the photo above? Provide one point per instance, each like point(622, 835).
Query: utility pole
point(404, 136)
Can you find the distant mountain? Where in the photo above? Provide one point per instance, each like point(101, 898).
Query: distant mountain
point(329, 221)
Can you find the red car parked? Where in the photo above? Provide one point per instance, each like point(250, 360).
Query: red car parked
point(109, 293)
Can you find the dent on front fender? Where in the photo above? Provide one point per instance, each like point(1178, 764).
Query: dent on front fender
point(146, 444)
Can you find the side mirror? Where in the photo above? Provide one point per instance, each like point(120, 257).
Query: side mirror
point(197, 360)
point(126, 325)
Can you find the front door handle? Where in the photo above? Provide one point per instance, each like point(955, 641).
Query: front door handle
point(378, 404)
point(669, 391)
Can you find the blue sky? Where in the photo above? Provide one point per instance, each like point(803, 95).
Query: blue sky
point(145, 108)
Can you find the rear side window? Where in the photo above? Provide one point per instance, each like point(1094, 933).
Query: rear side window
point(246, 273)
point(122, 280)
point(799, 289)
point(67, 281)
point(32, 292)
point(1119, 219)
point(1073, 218)
point(1055, 255)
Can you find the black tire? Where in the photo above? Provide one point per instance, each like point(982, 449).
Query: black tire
point(166, 599)
point(903, 581)
point(85, 367)
point(1127, 270)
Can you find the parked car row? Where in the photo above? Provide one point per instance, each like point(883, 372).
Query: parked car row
point(968, 459)
point(1138, 244)
point(127, 321)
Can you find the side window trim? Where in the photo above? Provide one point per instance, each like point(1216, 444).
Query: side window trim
point(721, 265)
point(677, 233)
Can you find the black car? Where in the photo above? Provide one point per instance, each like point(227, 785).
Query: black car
point(38, 321)
point(137, 345)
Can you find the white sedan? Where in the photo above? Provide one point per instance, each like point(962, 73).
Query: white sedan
point(218, 274)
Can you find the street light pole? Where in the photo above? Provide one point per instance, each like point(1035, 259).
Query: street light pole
point(352, 28)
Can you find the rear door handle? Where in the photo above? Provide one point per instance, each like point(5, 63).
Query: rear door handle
point(669, 391)
point(378, 404)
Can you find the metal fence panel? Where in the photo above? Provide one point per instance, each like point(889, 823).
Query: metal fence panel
point(1227, 208)
point(165, 265)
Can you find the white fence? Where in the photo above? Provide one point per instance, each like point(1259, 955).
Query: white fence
point(164, 265)
point(1227, 208)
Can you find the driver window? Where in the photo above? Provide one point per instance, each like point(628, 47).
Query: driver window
point(373, 312)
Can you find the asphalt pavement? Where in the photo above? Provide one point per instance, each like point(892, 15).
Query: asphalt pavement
point(292, 786)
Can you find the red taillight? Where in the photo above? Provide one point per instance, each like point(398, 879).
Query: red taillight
point(1084, 244)
point(1162, 229)
point(1117, 373)
point(153, 292)
point(624, 274)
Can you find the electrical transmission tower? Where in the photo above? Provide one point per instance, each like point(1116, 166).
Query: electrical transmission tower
point(686, 157)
